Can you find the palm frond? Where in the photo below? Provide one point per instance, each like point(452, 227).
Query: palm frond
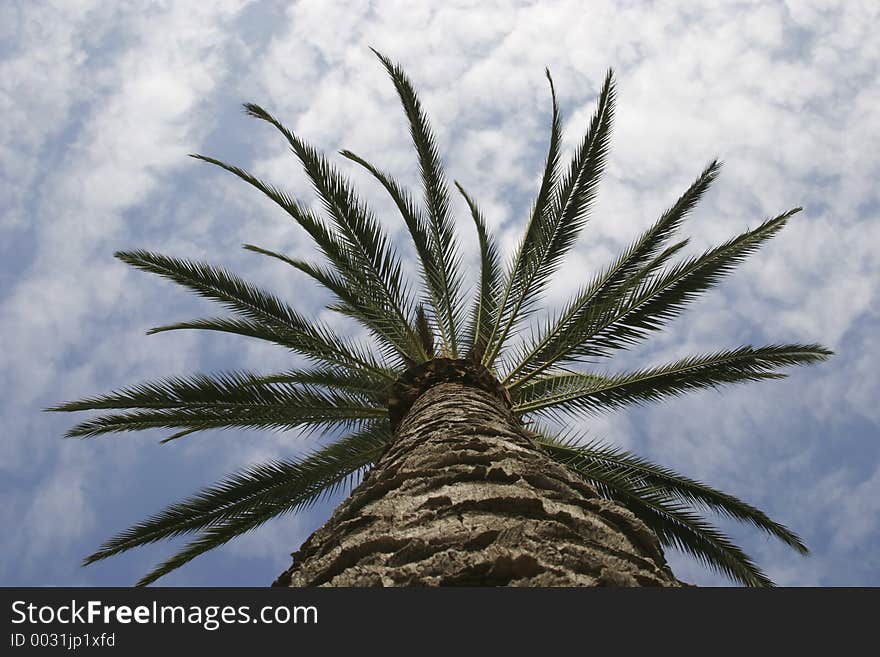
point(346, 275)
point(585, 456)
point(657, 299)
point(446, 277)
point(678, 527)
point(367, 245)
point(248, 498)
point(325, 240)
point(485, 306)
point(557, 218)
point(675, 524)
point(316, 341)
point(361, 382)
point(588, 393)
point(265, 315)
point(328, 278)
point(642, 258)
point(351, 301)
point(336, 251)
point(433, 280)
point(218, 285)
point(233, 399)
point(658, 262)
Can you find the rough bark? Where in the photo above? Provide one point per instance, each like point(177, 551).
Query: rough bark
point(463, 497)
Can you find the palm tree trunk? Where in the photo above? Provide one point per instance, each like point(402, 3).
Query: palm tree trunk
point(463, 497)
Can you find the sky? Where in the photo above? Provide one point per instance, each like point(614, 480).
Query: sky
point(102, 101)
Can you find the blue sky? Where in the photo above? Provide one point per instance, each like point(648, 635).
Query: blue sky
point(101, 104)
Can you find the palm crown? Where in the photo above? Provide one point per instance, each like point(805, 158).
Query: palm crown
point(347, 388)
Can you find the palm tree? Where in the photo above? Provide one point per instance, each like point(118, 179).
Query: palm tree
point(447, 420)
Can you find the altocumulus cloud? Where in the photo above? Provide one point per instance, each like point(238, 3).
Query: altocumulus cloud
point(101, 103)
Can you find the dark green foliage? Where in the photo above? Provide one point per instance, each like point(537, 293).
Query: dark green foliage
point(667, 502)
point(347, 386)
point(589, 393)
point(251, 497)
point(485, 306)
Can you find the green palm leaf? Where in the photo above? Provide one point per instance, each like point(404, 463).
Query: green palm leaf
point(366, 243)
point(560, 212)
point(674, 523)
point(316, 342)
point(445, 278)
point(323, 237)
point(659, 298)
point(351, 301)
point(590, 394)
point(361, 382)
point(276, 320)
point(323, 275)
point(235, 399)
point(679, 527)
point(249, 498)
point(641, 259)
point(585, 457)
point(431, 269)
point(218, 285)
point(485, 305)
point(369, 310)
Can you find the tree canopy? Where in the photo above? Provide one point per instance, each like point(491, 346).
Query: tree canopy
point(551, 374)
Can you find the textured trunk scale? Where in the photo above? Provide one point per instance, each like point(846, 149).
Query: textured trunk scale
point(463, 497)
